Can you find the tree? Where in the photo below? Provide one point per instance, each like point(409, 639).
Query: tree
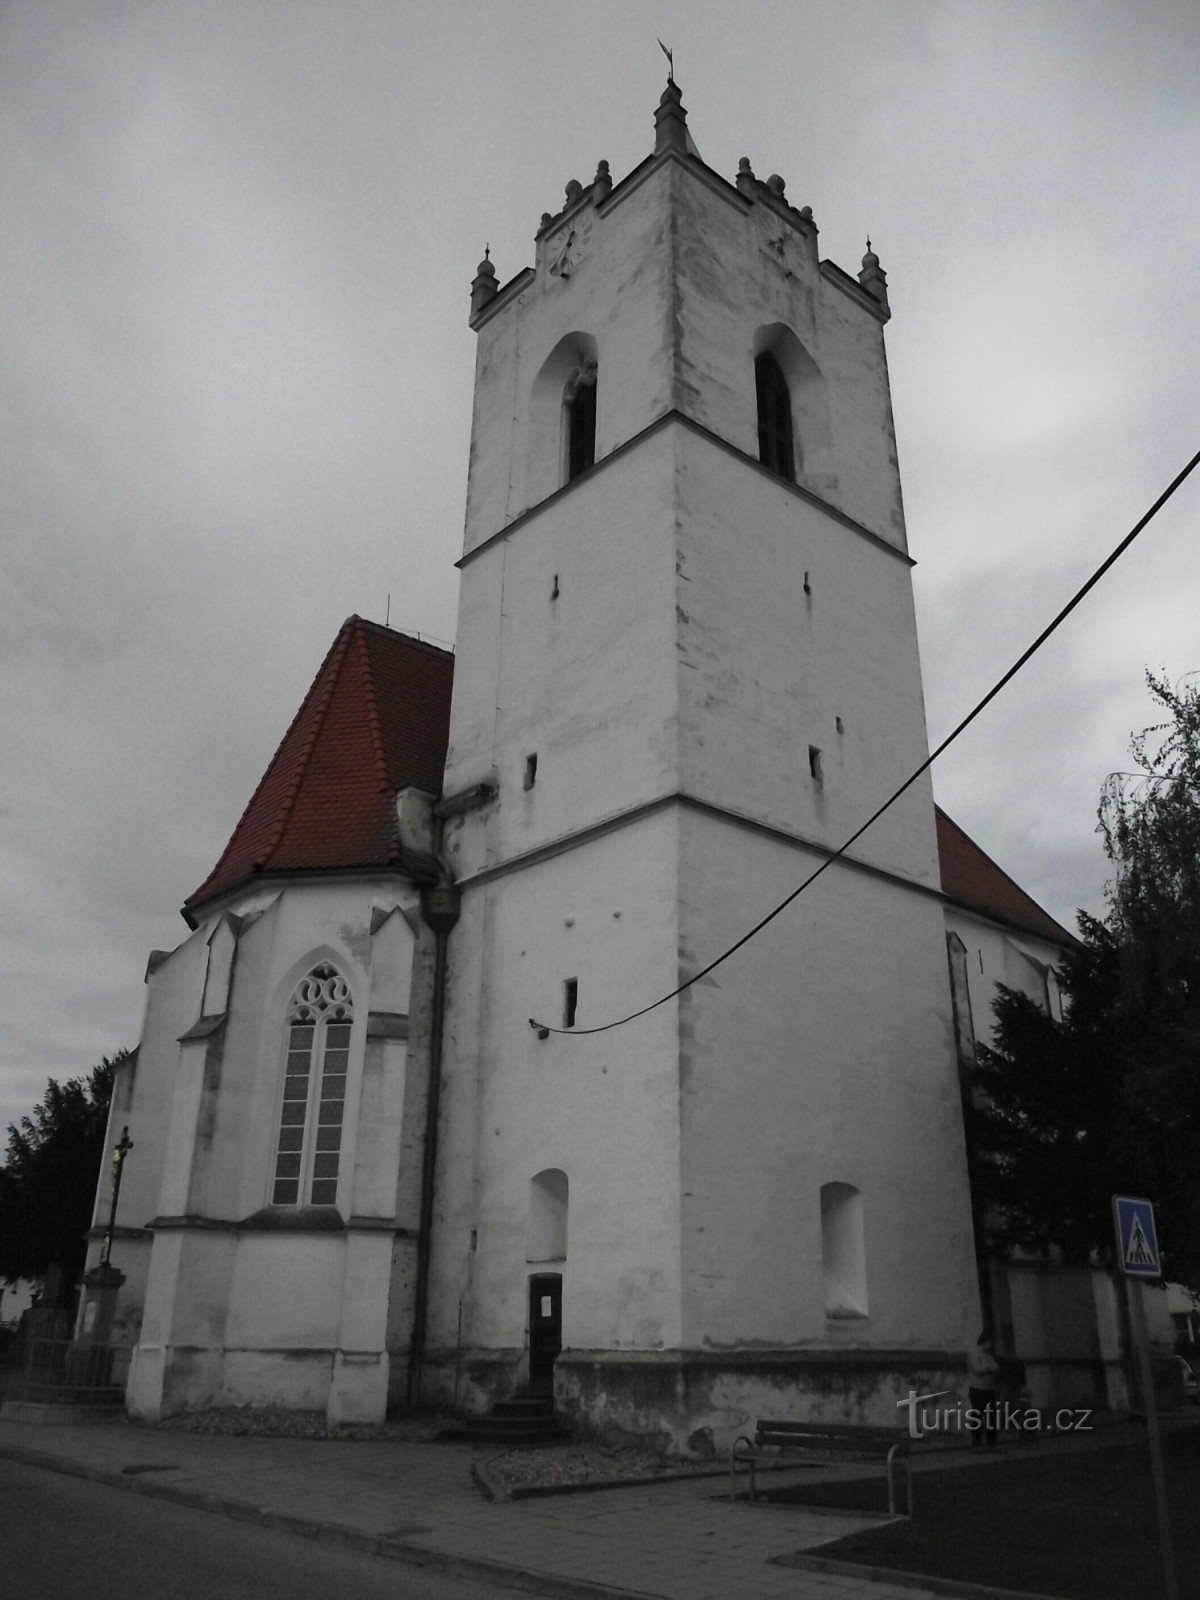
point(1108, 1100)
point(48, 1183)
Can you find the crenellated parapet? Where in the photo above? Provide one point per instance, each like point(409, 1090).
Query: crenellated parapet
point(772, 193)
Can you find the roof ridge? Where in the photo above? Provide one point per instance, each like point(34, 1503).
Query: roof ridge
point(376, 725)
point(409, 638)
point(336, 660)
point(267, 770)
point(372, 705)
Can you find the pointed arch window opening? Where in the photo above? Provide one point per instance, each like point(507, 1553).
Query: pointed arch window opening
point(776, 439)
point(308, 1148)
point(579, 406)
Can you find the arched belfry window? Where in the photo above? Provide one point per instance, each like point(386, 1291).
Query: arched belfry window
point(579, 402)
point(776, 446)
point(309, 1147)
point(559, 440)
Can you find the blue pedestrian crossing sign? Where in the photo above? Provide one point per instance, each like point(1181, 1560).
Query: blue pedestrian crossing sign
point(1137, 1239)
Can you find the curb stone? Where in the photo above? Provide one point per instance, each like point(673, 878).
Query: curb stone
point(533, 1491)
point(493, 1488)
point(957, 1587)
point(491, 1572)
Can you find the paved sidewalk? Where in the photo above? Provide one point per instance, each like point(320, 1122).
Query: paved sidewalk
point(417, 1502)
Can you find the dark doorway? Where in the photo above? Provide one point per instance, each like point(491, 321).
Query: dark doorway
point(545, 1330)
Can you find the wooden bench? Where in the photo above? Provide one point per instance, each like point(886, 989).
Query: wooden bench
point(850, 1438)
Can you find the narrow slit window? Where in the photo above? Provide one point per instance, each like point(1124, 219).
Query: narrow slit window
point(814, 763)
point(570, 1001)
point(776, 446)
point(531, 769)
point(309, 1143)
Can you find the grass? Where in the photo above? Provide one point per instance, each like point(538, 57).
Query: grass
point(1079, 1526)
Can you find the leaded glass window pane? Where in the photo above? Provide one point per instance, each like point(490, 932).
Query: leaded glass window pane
point(308, 1146)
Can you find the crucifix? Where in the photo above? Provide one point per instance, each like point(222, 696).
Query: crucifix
point(120, 1151)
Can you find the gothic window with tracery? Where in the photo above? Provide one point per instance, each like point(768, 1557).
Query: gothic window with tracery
point(309, 1147)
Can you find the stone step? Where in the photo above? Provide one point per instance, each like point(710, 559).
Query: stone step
point(514, 1431)
point(526, 1405)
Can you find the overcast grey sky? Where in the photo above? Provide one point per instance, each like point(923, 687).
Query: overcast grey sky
point(237, 243)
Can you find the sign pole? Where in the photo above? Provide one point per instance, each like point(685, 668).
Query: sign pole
point(1137, 1254)
point(1133, 1294)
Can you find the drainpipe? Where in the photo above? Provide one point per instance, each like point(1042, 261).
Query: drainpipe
point(440, 904)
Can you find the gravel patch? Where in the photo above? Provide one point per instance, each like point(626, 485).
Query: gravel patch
point(539, 1467)
point(554, 1466)
point(273, 1422)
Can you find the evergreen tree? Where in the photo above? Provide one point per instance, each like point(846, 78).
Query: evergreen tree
point(1108, 1100)
point(48, 1183)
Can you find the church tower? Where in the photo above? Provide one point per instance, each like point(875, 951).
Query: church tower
point(687, 670)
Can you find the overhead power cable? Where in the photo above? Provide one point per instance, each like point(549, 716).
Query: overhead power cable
point(1051, 627)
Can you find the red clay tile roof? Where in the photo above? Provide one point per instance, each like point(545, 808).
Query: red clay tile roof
point(375, 720)
point(974, 880)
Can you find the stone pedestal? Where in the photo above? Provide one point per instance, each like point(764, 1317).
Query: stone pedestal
point(89, 1363)
point(98, 1305)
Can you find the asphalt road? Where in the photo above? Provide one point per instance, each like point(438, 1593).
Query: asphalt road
point(64, 1538)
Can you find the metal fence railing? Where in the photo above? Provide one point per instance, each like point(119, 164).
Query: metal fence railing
point(58, 1370)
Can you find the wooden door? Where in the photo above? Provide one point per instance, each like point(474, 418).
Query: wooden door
point(545, 1330)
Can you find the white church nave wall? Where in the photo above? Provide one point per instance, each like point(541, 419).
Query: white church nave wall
point(994, 954)
point(245, 1299)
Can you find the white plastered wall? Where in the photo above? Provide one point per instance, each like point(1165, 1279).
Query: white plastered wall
point(602, 1110)
point(246, 1302)
point(820, 1053)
